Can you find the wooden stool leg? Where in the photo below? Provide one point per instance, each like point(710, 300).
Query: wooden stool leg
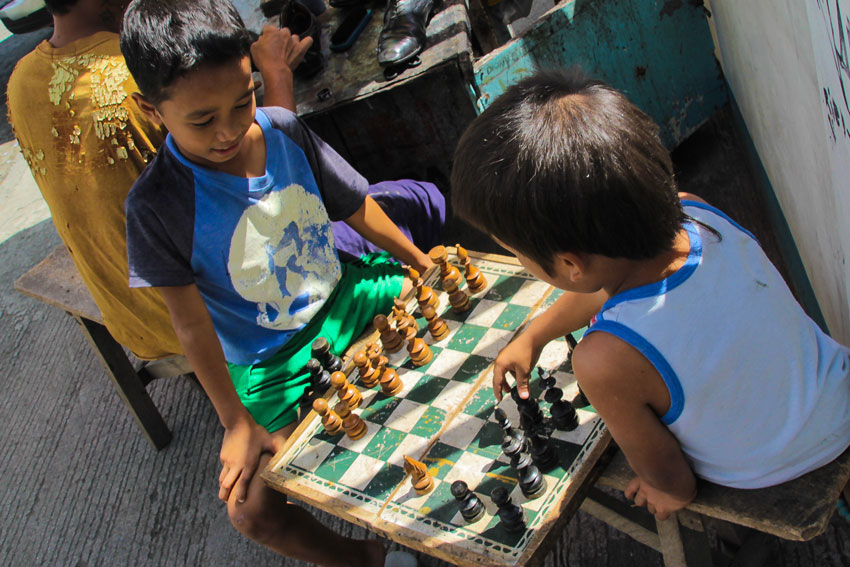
point(671, 542)
point(127, 382)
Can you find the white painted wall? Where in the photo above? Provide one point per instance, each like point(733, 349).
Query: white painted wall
point(777, 61)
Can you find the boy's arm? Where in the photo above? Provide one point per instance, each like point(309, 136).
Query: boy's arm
point(629, 395)
point(371, 222)
point(276, 54)
point(244, 440)
point(570, 312)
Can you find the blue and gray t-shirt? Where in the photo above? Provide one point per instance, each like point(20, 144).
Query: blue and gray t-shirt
point(260, 250)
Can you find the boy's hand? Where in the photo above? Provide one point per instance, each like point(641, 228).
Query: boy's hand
point(277, 49)
point(240, 455)
point(659, 503)
point(518, 358)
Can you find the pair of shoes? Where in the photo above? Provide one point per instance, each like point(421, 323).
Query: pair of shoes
point(301, 21)
point(403, 35)
point(400, 559)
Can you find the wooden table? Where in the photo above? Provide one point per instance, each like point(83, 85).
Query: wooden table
point(56, 281)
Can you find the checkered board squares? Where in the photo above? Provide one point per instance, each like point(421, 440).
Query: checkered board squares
point(444, 416)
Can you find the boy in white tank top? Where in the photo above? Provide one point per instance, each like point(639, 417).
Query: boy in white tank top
point(697, 356)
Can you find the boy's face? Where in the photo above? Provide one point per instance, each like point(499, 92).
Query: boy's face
point(567, 270)
point(209, 111)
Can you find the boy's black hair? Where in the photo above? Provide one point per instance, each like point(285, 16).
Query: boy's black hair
point(59, 6)
point(564, 163)
point(162, 40)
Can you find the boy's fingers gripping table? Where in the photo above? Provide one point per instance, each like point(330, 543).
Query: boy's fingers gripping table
point(444, 417)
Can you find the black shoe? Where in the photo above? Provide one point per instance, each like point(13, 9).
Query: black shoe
point(300, 21)
point(403, 36)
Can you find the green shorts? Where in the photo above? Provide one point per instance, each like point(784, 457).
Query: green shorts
point(271, 389)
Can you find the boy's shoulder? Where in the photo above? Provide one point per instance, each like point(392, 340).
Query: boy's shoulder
point(159, 180)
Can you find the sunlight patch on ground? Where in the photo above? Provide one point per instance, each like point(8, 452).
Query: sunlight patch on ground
point(21, 204)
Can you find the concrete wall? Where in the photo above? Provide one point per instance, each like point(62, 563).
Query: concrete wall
point(786, 65)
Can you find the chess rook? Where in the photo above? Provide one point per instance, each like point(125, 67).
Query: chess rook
point(330, 419)
point(352, 424)
point(420, 478)
point(458, 299)
point(391, 340)
point(436, 325)
point(471, 507)
point(345, 391)
point(321, 350)
point(440, 256)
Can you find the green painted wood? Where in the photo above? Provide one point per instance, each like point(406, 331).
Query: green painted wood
point(659, 52)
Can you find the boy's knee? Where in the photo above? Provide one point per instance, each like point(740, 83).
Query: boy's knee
point(262, 513)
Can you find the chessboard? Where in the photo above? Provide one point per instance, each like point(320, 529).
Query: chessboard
point(444, 417)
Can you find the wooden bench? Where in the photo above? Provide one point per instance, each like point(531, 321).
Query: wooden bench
point(56, 281)
point(797, 510)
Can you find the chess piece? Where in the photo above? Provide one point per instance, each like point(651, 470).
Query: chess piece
point(458, 298)
point(531, 482)
point(330, 419)
point(419, 351)
point(509, 431)
point(424, 294)
point(420, 478)
point(513, 446)
point(391, 340)
point(564, 415)
point(475, 280)
point(511, 516)
point(440, 256)
point(542, 453)
point(352, 424)
point(368, 373)
point(391, 384)
point(471, 507)
point(345, 391)
point(400, 312)
point(436, 325)
point(530, 414)
point(320, 379)
point(321, 350)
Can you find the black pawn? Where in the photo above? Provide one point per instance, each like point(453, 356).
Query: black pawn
point(321, 350)
point(563, 413)
point(546, 378)
point(507, 426)
point(543, 454)
point(512, 446)
point(531, 482)
point(511, 516)
point(320, 379)
point(471, 507)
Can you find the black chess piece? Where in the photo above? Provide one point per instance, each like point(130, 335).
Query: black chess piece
point(506, 425)
point(547, 380)
point(530, 414)
point(321, 350)
point(543, 454)
point(320, 379)
point(531, 482)
point(511, 516)
point(471, 507)
point(513, 445)
point(564, 415)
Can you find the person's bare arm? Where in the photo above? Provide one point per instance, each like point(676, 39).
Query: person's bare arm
point(570, 312)
point(373, 224)
point(276, 54)
point(629, 395)
point(244, 440)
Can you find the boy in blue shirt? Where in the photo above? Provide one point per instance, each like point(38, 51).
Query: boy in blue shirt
point(697, 356)
point(232, 224)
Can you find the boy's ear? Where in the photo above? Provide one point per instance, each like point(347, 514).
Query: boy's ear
point(147, 108)
point(571, 264)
